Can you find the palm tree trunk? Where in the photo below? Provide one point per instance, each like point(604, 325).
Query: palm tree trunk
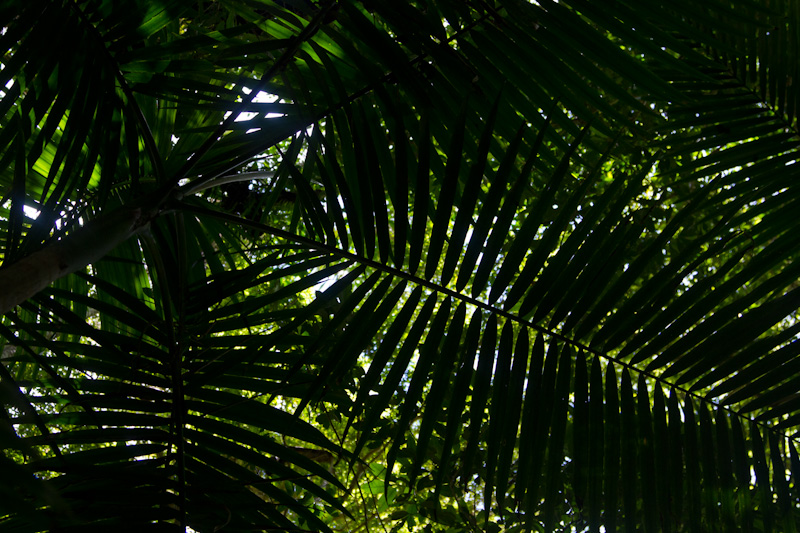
point(26, 277)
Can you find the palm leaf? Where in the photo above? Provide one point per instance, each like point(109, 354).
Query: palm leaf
point(234, 203)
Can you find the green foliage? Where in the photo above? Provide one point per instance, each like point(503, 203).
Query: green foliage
point(436, 265)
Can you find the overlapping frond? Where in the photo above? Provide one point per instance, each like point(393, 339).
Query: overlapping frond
point(540, 256)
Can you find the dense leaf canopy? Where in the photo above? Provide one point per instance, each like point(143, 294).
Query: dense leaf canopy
point(452, 265)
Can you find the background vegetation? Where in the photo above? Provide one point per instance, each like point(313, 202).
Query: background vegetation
point(440, 265)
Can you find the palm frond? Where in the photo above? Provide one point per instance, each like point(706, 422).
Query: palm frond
point(534, 258)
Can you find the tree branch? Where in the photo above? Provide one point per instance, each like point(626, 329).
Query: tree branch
point(90, 243)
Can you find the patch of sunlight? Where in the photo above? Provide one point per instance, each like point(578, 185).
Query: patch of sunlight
point(9, 84)
point(31, 212)
point(307, 296)
point(261, 97)
point(330, 280)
